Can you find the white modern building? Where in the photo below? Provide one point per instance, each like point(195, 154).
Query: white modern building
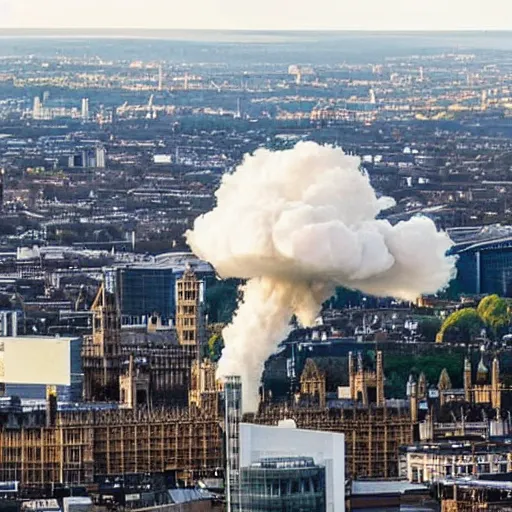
point(299, 452)
point(28, 364)
point(85, 109)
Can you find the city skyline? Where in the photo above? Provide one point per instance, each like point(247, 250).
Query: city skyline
point(265, 15)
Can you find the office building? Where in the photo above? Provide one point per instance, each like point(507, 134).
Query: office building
point(282, 465)
point(100, 157)
point(37, 109)
point(146, 289)
point(484, 264)
point(273, 468)
point(89, 158)
point(142, 292)
point(294, 484)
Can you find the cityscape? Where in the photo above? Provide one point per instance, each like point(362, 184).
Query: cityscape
point(255, 271)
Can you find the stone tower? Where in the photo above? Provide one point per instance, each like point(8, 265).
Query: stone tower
point(134, 386)
point(444, 384)
point(467, 380)
point(101, 350)
point(496, 384)
point(366, 386)
point(189, 325)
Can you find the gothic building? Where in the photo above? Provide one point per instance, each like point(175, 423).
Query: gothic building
point(153, 364)
point(374, 428)
point(480, 386)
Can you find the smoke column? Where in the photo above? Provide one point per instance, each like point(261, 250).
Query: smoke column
point(296, 224)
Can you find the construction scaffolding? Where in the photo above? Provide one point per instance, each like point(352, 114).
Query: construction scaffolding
point(373, 435)
point(82, 446)
point(40, 456)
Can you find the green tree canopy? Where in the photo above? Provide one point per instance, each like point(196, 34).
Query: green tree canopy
point(398, 367)
point(462, 325)
point(215, 346)
point(221, 300)
point(495, 313)
point(428, 327)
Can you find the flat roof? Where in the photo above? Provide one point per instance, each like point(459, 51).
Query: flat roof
point(363, 487)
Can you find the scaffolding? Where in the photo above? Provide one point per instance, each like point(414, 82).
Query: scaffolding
point(40, 456)
point(82, 446)
point(373, 435)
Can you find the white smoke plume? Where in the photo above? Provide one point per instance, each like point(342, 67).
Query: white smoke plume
point(296, 224)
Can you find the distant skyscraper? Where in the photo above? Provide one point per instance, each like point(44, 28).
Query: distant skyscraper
point(238, 113)
point(37, 110)
point(372, 97)
point(483, 104)
point(160, 78)
point(85, 109)
point(100, 157)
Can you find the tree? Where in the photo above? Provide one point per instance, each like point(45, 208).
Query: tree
point(221, 300)
point(428, 327)
point(495, 313)
point(463, 325)
point(398, 367)
point(215, 346)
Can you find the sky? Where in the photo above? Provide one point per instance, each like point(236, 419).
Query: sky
point(260, 14)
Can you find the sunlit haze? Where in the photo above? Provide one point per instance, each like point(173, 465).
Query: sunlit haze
point(264, 14)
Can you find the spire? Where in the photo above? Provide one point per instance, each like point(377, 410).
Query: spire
point(496, 384)
point(422, 385)
point(482, 372)
point(410, 383)
point(444, 381)
point(467, 379)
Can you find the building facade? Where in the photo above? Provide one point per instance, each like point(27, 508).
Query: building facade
point(435, 461)
point(142, 292)
point(82, 446)
point(294, 484)
point(164, 353)
point(282, 465)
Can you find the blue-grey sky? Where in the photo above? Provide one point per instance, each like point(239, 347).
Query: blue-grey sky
point(259, 14)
